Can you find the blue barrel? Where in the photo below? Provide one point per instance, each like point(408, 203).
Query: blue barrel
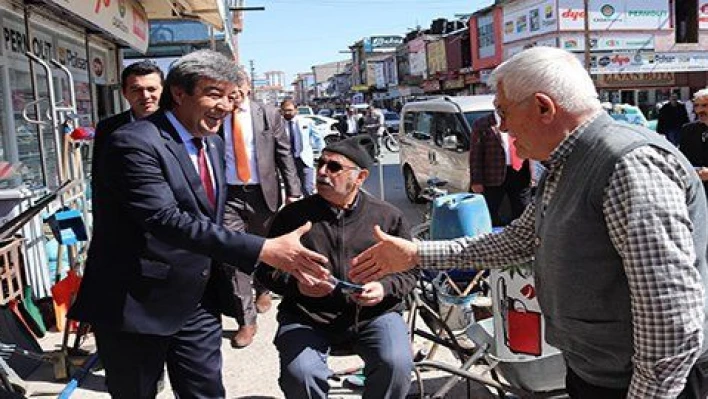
point(459, 215)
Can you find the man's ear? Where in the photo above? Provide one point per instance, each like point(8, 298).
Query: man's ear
point(546, 106)
point(178, 94)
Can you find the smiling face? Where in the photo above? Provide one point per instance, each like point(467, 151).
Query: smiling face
point(143, 93)
point(203, 111)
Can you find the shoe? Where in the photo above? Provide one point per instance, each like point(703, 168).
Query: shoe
point(263, 302)
point(244, 336)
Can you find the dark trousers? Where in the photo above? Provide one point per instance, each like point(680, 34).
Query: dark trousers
point(306, 175)
point(135, 362)
point(577, 388)
point(383, 344)
point(517, 186)
point(246, 210)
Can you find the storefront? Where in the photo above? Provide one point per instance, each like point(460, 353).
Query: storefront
point(55, 31)
point(92, 60)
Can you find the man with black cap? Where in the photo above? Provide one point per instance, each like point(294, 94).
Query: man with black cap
point(367, 320)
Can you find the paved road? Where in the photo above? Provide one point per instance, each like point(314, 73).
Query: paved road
point(253, 372)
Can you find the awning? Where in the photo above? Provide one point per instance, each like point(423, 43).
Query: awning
point(211, 12)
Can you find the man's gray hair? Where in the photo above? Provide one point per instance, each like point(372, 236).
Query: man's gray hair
point(700, 93)
point(552, 71)
point(187, 71)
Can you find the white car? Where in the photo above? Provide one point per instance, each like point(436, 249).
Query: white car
point(324, 126)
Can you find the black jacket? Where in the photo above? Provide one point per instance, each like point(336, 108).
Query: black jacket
point(339, 235)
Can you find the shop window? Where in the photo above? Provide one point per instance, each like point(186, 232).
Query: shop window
point(686, 26)
point(26, 133)
point(4, 156)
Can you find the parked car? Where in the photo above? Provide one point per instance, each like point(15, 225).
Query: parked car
point(325, 112)
point(392, 121)
point(630, 114)
point(324, 126)
point(305, 111)
point(435, 141)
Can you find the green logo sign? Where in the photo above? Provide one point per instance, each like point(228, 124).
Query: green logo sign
point(607, 10)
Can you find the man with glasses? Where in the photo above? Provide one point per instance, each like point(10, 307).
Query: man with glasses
point(258, 158)
point(312, 320)
point(617, 235)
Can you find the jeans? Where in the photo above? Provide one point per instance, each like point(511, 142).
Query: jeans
point(383, 343)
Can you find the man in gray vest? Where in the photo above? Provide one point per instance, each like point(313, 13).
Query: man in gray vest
point(617, 234)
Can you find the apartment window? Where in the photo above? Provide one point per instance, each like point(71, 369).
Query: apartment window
point(686, 25)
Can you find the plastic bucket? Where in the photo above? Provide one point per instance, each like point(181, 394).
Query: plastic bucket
point(455, 310)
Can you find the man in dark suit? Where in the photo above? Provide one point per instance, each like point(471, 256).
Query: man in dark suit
point(254, 193)
point(149, 284)
point(496, 171)
point(141, 85)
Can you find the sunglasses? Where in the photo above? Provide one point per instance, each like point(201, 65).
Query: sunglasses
point(333, 166)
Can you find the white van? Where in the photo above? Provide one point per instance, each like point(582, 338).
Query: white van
point(435, 141)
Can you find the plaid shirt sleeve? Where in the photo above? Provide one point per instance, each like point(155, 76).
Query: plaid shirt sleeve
point(645, 211)
point(515, 245)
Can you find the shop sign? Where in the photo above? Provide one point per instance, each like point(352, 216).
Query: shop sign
point(529, 18)
point(436, 57)
point(457, 83)
point(636, 79)
point(431, 85)
point(72, 56)
point(611, 16)
point(125, 20)
point(98, 66)
point(417, 63)
point(703, 15)
point(517, 48)
point(15, 41)
point(647, 62)
point(610, 42)
point(360, 88)
point(374, 43)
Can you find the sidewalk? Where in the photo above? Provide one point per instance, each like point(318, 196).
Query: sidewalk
point(248, 373)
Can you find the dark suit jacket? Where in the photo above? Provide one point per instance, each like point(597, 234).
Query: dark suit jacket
point(273, 154)
point(104, 129)
point(487, 156)
point(155, 232)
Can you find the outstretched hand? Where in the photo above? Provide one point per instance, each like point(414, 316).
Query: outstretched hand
point(389, 255)
point(287, 253)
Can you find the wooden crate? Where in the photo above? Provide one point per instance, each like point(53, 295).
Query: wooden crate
point(10, 270)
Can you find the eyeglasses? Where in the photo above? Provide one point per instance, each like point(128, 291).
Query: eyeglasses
point(334, 166)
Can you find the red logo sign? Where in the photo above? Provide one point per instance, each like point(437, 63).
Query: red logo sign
point(139, 25)
point(106, 3)
point(704, 8)
point(573, 15)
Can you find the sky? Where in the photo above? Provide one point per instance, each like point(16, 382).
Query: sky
point(293, 35)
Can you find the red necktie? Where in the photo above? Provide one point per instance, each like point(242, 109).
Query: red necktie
point(204, 174)
point(516, 162)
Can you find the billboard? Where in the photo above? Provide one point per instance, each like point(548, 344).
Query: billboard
point(614, 15)
point(608, 42)
point(529, 18)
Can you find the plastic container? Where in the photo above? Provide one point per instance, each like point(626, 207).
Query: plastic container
point(459, 215)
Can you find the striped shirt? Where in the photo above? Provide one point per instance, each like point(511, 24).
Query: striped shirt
point(644, 207)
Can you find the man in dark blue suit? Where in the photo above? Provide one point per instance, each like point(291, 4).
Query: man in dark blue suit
point(151, 277)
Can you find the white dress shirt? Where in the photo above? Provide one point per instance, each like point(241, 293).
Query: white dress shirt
point(191, 149)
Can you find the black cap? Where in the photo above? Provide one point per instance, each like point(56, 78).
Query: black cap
point(359, 149)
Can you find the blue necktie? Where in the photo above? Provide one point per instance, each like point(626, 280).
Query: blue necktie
point(295, 140)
